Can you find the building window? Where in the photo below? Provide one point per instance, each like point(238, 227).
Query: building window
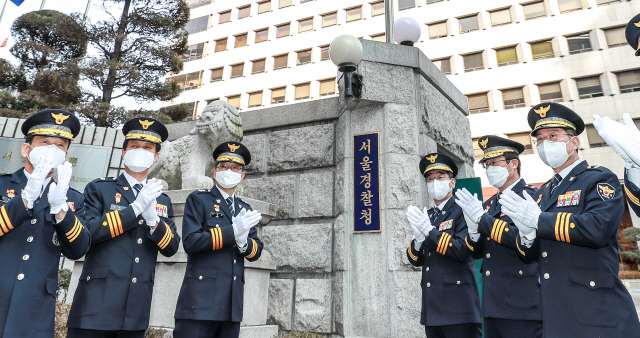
point(262, 35)
point(606, 2)
point(329, 19)
point(379, 37)
point(512, 98)
point(468, 24)
point(478, 103)
point(194, 52)
point(304, 57)
point(534, 10)
point(550, 92)
point(615, 36)
point(433, 1)
point(280, 61)
point(473, 62)
point(438, 30)
point(278, 94)
point(477, 151)
point(377, 8)
point(188, 81)
point(405, 4)
point(211, 100)
point(629, 81)
point(193, 107)
point(328, 87)
point(500, 17)
point(507, 56)
point(302, 91)
point(354, 13)
point(264, 6)
point(305, 25)
point(284, 3)
point(221, 45)
point(237, 70)
point(282, 30)
point(216, 74)
point(257, 66)
point(443, 64)
point(579, 43)
point(524, 139)
point(255, 99)
point(241, 40)
point(324, 53)
point(244, 12)
point(541, 50)
point(589, 87)
point(569, 5)
point(234, 100)
point(224, 16)
point(594, 138)
point(197, 25)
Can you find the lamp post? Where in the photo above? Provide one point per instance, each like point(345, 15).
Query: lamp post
point(407, 31)
point(346, 52)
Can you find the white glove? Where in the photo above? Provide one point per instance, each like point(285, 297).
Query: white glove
point(420, 220)
point(34, 186)
point(624, 139)
point(523, 210)
point(471, 207)
point(150, 214)
point(148, 194)
point(58, 191)
point(528, 234)
point(243, 223)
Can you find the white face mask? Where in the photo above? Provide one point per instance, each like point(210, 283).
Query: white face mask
point(51, 152)
point(554, 154)
point(438, 189)
point(138, 160)
point(497, 175)
point(228, 178)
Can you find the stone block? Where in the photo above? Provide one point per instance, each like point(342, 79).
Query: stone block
point(343, 138)
point(342, 227)
point(343, 194)
point(256, 145)
point(18, 133)
point(301, 148)
point(311, 111)
point(366, 120)
point(400, 189)
point(89, 131)
point(98, 137)
point(261, 331)
point(280, 303)
point(166, 288)
point(256, 294)
point(278, 190)
point(10, 127)
point(314, 194)
point(400, 234)
point(116, 158)
point(381, 83)
point(78, 138)
point(299, 248)
point(407, 303)
point(338, 304)
point(119, 139)
point(3, 122)
point(109, 137)
point(313, 305)
point(401, 130)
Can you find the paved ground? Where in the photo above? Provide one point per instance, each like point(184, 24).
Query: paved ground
point(635, 294)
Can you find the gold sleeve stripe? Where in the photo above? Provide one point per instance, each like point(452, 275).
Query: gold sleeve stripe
point(166, 238)
point(558, 216)
point(440, 242)
point(503, 224)
point(76, 230)
point(220, 237)
point(631, 197)
point(518, 246)
point(217, 240)
point(3, 228)
point(254, 248)
point(5, 217)
point(446, 245)
point(110, 222)
point(212, 239)
point(116, 216)
point(466, 241)
point(411, 255)
point(566, 227)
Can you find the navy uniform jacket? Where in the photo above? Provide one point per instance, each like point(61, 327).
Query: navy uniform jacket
point(30, 247)
point(510, 288)
point(213, 284)
point(633, 194)
point(577, 250)
point(449, 290)
point(115, 287)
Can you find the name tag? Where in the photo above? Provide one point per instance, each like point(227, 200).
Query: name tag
point(117, 207)
point(445, 225)
point(162, 210)
point(569, 198)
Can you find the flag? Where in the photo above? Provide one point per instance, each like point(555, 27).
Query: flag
point(17, 2)
point(4, 43)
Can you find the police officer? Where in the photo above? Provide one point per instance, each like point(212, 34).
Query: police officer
point(450, 301)
point(510, 290)
point(571, 227)
point(130, 222)
point(36, 228)
point(632, 33)
point(219, 233)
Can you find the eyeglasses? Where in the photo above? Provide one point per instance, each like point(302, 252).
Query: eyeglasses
point(229, 165)
point(551, 137)
point(489, 163)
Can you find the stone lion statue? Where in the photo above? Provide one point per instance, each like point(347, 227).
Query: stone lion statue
point(187, 162)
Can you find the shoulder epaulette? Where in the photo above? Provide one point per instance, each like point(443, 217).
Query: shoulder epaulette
point(105, 179)
point(202, 190)
point(243, 202)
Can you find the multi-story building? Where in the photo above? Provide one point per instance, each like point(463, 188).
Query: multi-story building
point(504, 55)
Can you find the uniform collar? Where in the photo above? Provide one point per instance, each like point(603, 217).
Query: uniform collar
point(132, 181)
point(512, 185)
point(225, 195)
point(443, 204)
point(568, 169)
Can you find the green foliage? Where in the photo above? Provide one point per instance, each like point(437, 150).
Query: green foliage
point(155, 332)
point(177, 112)
point(632, 234)
point(61, 316)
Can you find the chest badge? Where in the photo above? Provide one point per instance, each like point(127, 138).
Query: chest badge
point(11, 193)
point(539, 199)
point(486, 210)
point(72, 206)
point(216, 208)
point(162, 210)
point(445, 225)
point(55, 240)
point(606, 191)
point(118, 197)
point(569, 198)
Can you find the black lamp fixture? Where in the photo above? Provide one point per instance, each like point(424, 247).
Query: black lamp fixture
point(346, 52)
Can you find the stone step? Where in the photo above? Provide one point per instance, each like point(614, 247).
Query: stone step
point(259, 331)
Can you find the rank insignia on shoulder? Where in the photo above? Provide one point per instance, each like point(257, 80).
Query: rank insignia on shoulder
point(486, 210)
point(72, 206)
point(606, 191)
point(218, 200)
point(445, 225)
point(569, 198)
point(125, 188)
point(118, 196)
point(162, 210)
point(11, 193)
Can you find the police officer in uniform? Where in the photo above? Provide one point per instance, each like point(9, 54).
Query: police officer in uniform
point(39, 219)
point(130, 222)
point(510, 290)
point(571, 228)
point(450, 301)
point(219, 233)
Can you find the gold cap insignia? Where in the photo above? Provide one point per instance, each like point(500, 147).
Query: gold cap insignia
point(542, 111)
point(483, 143)
point(60, 117)
point(432, 158)
point(637, 24)
point(232, 147)
point(146, 123)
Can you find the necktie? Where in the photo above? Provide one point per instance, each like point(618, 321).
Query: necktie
point(230, 204)
point(435, 214)
point(555, 182)
point(137, 187)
